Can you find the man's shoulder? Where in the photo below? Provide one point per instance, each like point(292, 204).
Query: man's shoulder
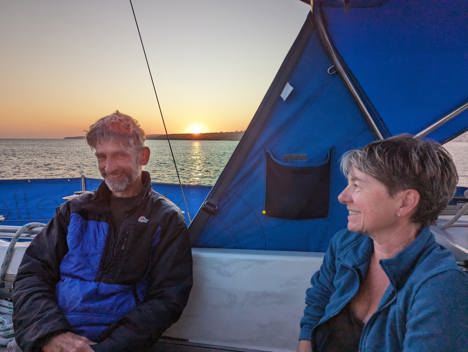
point(77, 201)
point(165, 206)
point(163, 200)
point(82, 196)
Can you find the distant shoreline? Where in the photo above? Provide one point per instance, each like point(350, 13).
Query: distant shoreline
point(211, 136)
point(234, 136)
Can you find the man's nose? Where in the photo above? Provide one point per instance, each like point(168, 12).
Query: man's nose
point(108, 166)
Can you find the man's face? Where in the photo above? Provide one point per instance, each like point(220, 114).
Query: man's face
point(120, 165)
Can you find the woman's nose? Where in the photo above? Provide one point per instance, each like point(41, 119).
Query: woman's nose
point(343, 196)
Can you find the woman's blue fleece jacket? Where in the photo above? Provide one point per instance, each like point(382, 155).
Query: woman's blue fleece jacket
point(425, 307)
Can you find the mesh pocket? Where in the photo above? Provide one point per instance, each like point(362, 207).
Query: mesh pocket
point(295, 189)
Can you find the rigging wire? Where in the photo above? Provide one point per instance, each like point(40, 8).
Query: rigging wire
point(337, 62)
point(161, 113)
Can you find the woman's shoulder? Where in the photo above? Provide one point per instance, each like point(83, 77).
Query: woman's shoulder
point(435, 257)
point(445, 285)
point(437, 265)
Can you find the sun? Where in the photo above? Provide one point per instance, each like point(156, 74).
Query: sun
point(196, 128)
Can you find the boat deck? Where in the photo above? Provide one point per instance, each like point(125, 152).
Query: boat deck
point(170, 345)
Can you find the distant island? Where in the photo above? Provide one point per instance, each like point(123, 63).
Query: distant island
point(210, 136)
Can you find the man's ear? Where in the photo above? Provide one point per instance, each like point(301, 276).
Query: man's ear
point(409, 202)
point(144, 155)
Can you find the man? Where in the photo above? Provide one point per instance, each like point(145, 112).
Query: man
point(113, 268)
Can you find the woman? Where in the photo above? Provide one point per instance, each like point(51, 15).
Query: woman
point(385, 284)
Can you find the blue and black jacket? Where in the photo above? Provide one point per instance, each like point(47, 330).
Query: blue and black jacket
point(118, 287)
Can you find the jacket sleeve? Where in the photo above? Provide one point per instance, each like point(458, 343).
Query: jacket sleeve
point(168, 292)
point(317, 296)
point(36, 314)
point(437, 319)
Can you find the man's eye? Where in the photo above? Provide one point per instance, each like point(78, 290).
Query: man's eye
point(121, 156)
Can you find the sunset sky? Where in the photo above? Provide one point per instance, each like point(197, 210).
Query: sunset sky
point(65, 63)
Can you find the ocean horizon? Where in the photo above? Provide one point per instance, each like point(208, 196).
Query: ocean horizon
point(199, 162)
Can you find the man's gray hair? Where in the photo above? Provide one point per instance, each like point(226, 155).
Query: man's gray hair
point(116, 126)
point(404, 162)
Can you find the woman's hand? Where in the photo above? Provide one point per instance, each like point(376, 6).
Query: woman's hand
point(304, 346)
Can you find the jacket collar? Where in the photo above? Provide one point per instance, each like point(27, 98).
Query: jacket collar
point(358, 253)
point(399, 267)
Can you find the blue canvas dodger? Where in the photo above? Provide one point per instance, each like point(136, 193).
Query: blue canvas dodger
point(357, 71)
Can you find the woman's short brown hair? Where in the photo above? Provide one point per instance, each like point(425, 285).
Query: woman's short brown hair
point(404, 162)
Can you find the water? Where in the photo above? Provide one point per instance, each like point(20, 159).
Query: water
point(199, 162)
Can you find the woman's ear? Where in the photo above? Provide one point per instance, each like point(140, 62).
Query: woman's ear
point(409, 202)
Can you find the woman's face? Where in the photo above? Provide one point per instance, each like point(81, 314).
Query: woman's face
point(371, 209)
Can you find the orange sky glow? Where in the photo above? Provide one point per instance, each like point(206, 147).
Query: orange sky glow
point(64, 64)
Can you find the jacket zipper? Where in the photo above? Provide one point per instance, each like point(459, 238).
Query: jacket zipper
point(108, 249)
point(340, 308)
point(124, 244)
point(372, 318)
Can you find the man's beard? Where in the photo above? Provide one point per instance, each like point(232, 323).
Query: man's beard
point(119, 184)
